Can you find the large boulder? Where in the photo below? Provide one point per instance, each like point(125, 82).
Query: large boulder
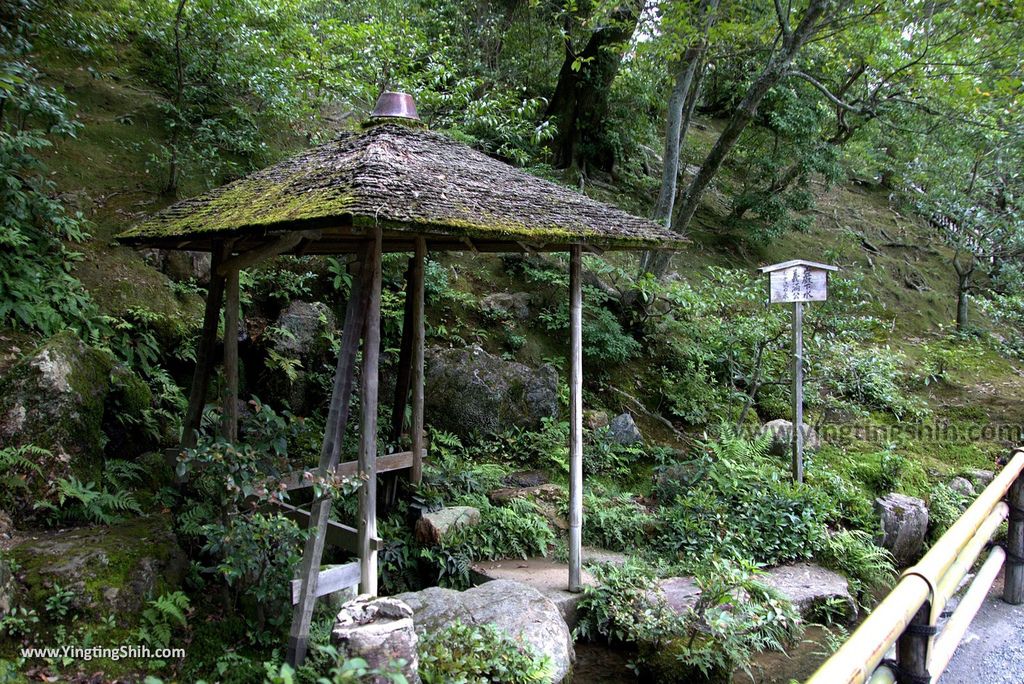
point(111, 569)
point(380, 631)
point(623, 430)
point(469, 390)
point(507, 305)
point(810, 588)
point(54, 399)
point(813, 589)
point(521, 611)
point(782, 436)
point(904, 523)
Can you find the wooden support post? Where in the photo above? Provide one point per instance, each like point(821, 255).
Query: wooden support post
point(204, 352)
point(1013, 578)
point(404, 363)
point(418, 335)
point(912, 647)
point(798, 392)
point(229, 427)
point(337, 420)
point(368, 428)
point(575, 419)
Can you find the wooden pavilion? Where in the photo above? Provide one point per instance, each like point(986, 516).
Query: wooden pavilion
point(392, 187)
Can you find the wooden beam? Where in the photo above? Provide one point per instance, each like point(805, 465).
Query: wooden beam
point(400, 460)
point(336, 534)
point(368, 428)
point(575, 418)
point(334, 578)
point(278, 246)
point(404, 362)
point(418, 342)
point(229, 427)
point(319, 523)
point(204, 352)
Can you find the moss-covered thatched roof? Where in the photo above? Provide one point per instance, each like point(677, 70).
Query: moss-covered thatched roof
point(408, 181)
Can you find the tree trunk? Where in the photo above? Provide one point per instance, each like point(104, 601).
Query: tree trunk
point(964, 271)
point(579, 104)
point(961, 308)
point(687, 78)
point(774, 70)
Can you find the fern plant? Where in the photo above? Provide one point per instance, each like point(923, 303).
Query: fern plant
point(17, 466)
point(161, 617)
point(77, 501)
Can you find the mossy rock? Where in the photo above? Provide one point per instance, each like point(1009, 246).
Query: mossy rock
point(54, 398)
point(112, 569)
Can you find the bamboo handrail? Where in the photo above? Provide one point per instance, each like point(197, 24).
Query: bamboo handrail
point(856, 660)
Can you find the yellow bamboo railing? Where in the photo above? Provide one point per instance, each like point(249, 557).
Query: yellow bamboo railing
point(906, 619)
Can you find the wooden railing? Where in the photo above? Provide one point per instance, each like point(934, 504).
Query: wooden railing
point(899, 642)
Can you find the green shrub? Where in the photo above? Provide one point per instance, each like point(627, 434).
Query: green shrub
point(741, 503)
point(618, 523)
point(867, 566)
point(945, 506)
point(479, 654)
point(708, 641)
point(515, 530)
point(873, 377)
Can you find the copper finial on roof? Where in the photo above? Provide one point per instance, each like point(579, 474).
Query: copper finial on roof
point(391, 105)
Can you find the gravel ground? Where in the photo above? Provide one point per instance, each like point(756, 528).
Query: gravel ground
point(992, 650)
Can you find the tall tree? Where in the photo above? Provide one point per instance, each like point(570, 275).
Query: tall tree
point(787, 45)
point(579, 105)
point(687, 72)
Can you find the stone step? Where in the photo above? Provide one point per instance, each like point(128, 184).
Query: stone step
point(548, 576)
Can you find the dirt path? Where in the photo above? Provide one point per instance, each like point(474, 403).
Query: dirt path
point(992, 650)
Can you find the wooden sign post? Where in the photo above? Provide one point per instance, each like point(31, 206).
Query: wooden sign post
point(796, 282)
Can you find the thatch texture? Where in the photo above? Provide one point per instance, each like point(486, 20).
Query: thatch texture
point(409, 181)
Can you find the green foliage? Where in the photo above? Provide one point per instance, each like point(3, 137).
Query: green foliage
point(945, 506)
point(258, 554)
point(604, 456)
point(873, 377)
point(717, 635)
point(161, 617)
point(515, 530)
point(853, 553)
point(477, 654)
point(37, 288)
point(887, 471)
point(18, 467)
point(743, 504)
point(60, 603)
point(74, 500)
point(617, 523)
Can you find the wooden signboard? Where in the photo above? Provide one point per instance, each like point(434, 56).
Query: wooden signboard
point(797, 282)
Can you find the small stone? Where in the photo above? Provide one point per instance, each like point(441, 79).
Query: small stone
point(782, 436)
point(961, 485)
point(433, 527)
point(904, 523)
point(380, 631)
point(623, 430)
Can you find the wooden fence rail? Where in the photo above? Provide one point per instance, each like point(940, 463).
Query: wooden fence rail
point(899, 642)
